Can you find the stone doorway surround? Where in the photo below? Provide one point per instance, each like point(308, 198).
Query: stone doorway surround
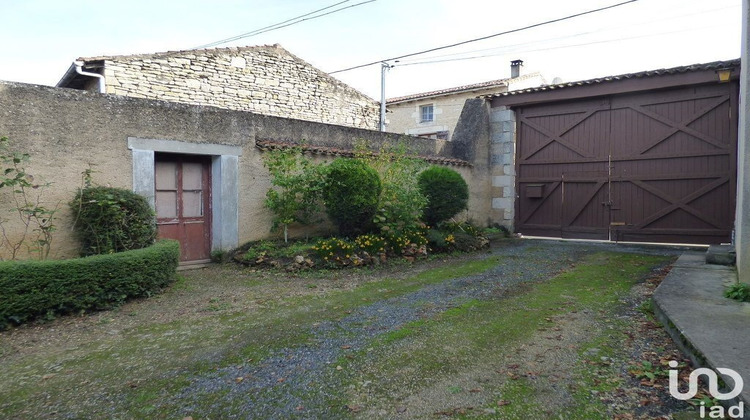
point(224, 181)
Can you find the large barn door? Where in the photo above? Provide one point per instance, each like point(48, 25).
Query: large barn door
point(563, 170)
point(656, 167)
point(182, 203)
point(674, 157)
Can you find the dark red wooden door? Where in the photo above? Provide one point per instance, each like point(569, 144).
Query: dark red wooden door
point(182, 203)
point(657, 166)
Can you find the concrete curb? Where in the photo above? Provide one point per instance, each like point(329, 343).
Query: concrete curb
point(709, 328)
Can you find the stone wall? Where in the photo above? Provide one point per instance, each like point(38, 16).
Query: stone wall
point(503, 165)
point(404, 116)
point(66, 130)
point(266, 79)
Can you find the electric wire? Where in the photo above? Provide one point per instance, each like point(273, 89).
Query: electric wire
point(547, 40)
point(606, 41)
point(487, 36)
point(284, 24)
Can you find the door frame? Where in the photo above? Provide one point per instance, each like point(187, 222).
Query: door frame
point(180, 219)
point(224, 181)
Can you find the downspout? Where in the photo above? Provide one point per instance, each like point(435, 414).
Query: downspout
point(79, 69)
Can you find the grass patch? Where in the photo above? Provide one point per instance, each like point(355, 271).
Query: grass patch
point(484, 330)
point(139, 368)
point(289, 322)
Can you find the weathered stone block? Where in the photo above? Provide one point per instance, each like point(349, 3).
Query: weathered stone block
point(496, 114)
point(502, 203)
point(507, 137)
point(496, 136)
point(502, 181)
point(721, 255)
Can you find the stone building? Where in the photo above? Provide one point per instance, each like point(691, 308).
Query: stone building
point(262, 79)
point(435, 114)
point(200, 167)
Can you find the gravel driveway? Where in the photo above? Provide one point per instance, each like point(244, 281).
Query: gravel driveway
point(116, 363)
point(299, 379)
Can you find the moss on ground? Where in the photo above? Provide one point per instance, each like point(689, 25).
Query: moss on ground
point(142, 365)
point(482, 331)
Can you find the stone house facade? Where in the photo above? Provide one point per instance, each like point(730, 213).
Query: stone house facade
point(435, 114)
point(265, 79)
point(142, 144)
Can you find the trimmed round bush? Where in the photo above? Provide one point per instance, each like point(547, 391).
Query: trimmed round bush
point(33, 289)
point(350, 194)
point(111, 220)
point(446, 192)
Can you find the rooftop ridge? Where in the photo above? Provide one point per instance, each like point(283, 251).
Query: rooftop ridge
point(179, 52)
point(463, 88)
point(714, 65)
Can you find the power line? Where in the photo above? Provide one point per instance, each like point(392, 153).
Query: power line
point(284, 24)
point(486, 37)
point(505, 49)
point(251, 33)
point(428, 61)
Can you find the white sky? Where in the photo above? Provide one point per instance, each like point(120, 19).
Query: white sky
point(40, 38)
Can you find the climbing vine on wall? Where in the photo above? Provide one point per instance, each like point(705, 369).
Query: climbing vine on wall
point(36, 220)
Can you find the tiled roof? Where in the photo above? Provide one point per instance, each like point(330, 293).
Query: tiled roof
point(460, 89)
point(183, 52)
point(716, 65)
point(333, 151)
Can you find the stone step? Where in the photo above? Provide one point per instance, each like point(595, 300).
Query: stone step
point(721, 255)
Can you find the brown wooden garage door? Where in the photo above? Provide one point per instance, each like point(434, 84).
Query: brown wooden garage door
point(657, 166)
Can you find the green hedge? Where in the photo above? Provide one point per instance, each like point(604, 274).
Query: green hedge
point(112, 220)
point(30, 289)
point(351, 195)
point(446, 191)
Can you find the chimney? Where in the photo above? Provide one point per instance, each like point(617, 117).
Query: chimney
point(515, 68)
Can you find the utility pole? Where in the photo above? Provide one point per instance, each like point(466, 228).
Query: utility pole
point(383, 68)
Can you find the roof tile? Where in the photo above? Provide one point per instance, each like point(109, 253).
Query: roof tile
point(334, 151)
point(460, 89)
point(715, 65)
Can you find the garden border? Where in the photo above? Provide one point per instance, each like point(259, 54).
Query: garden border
point(33, 289)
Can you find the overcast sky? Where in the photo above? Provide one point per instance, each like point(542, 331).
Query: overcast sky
point(40, 38)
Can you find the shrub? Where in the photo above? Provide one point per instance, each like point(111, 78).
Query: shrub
point(439, 241)
point(351, 194)
point(738, 291)
point(409, 239)
point(258, 250)
point(297, 184)
point(446, 192)
point(46, 288)
point(334, 251)
point(111, 220)
point(456, 236)
point(465, 242)
point(401, 203)
point(465, 227)
point(372, 244)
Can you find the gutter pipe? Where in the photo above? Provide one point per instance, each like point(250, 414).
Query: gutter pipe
point(79, 69)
